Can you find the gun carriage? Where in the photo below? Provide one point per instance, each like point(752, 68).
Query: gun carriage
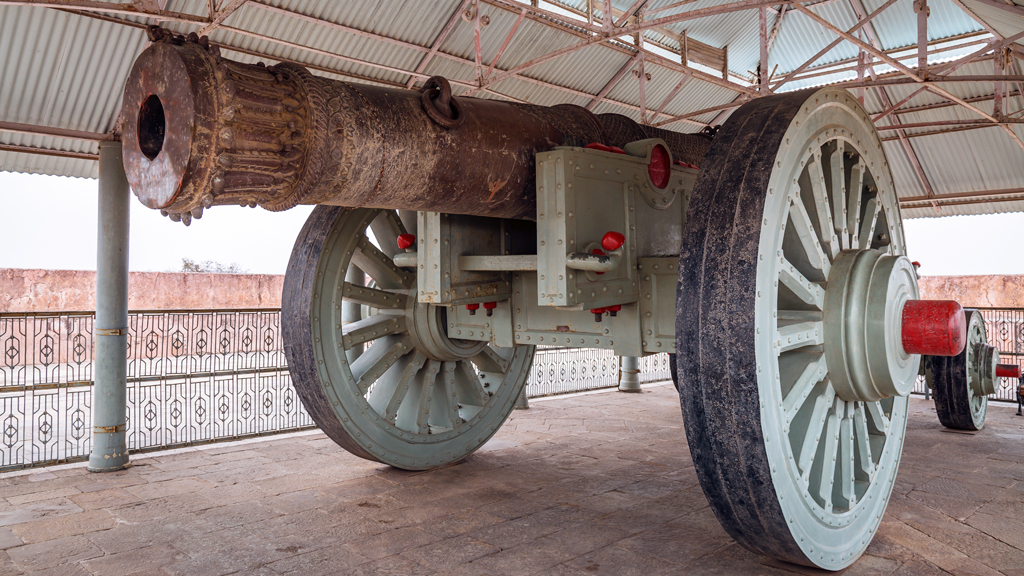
point(453, 235)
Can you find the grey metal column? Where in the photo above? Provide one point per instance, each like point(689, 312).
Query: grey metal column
point(110, 364)
point(629, 374)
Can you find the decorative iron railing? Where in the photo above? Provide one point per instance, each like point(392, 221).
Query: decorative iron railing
point(194, 376)
point(197, 376)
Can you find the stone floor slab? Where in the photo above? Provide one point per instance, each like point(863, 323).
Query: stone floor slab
point(593, 484)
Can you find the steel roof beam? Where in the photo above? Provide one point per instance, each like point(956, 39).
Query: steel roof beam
point(719, 108)
point(889, 80)
point(843, 65)
point(948, 104)
point(452, 21)
point(613, 81)
point(220, 15)
point(504, 45)
point(111, 8)
point(960, 198)
point(671, 95)
point(874, 48)
point(33, 130)
point(937, 123)
point(863, 22)
point(434, 50)
point(48, 152)
point(598, 37)
point(1011, 8)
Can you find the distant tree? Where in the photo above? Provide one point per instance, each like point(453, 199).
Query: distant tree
point(210, 267)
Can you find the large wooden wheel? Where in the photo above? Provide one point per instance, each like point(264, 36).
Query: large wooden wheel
point(374, 368)
point(792, 389)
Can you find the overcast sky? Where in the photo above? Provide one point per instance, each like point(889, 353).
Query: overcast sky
point(50, 222)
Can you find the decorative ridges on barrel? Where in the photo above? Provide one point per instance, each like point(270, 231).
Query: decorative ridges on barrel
point(259, 130)
point(269, 135)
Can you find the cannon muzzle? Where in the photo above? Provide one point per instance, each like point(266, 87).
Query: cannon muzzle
point(201, 130)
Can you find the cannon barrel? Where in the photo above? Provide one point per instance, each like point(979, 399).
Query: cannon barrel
point(202, 130)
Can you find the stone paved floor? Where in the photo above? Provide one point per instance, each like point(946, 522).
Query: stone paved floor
point(592, 484)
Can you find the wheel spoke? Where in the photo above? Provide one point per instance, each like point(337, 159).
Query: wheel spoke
point(828, 463)
point(381, 268)
point(451, 397)
point(373, 297)
point(814, 430)
point(798, 335)
point(489, 360)
point(803, 288)
point(428, 378)
point(401, 387)
point(386, 229)
point(472, 389)
point(867, 228)
point(815, 372)
point(853, 206)
point(846, 458)
point(371, 328)
point(382, 355)
point(820, 193)
point(839, 202)
point(808, 237)
point(867, 466)
point(878, 418)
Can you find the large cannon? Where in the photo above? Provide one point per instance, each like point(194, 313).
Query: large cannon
point(453, 235)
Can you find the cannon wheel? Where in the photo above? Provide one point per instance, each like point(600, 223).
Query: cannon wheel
point(791, 470)
point(953, 382)
point(373, 367)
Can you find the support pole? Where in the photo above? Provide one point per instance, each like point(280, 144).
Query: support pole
point(109, 393)
point(629, 374)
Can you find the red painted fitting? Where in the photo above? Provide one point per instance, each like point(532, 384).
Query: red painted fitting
point(472, 308)
point(686, 165)
point(916, 264)
point(490, 306)
point(603, 148)
point(933, 327)
point(598, 313)
point(1007, 371)
point(612, 241)
point(613, 311)
point(659, 169)
point(406, 241)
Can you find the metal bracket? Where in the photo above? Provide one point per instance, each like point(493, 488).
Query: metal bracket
point(443, 240)
point(658, 278)
point(111, 331)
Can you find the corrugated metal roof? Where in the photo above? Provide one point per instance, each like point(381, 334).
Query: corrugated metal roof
point(64, 70)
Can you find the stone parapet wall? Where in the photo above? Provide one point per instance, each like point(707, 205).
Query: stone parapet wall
point(73, 290)
point(976, 291)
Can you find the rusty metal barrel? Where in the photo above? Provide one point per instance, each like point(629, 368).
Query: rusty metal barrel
point(202, 130)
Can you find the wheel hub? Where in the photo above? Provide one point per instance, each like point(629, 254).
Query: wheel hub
point(864, 301)
point(426, 324)
point(986, 358)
